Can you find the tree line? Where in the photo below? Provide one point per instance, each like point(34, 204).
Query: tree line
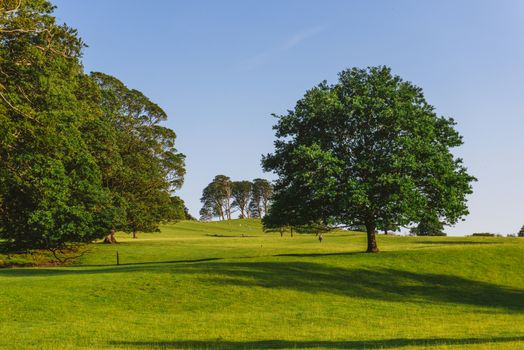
point(222, 197)
point(81, 154)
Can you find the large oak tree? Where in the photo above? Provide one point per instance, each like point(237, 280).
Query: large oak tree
point(368, 150)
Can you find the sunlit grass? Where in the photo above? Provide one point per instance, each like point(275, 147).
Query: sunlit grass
point(228, 285)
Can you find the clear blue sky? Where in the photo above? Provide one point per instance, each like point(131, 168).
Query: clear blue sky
point(220, 68)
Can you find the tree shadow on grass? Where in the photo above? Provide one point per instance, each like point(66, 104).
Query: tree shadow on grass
point(155, 262)
point(319, 254)
point(456, 242)
point(385, 284)
point(240, 235)
point(99, 269)
point(288, 344)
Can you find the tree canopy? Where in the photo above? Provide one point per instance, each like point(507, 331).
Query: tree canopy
point(144, 166)
point(79, 154)
point(222, 197)
point(262, 191)
point(428, 226)
point(241, 192)
point(216, 198)
point(50, 187)
point(368, 150)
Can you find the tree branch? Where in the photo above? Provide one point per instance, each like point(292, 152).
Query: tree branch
point(17, 7)
point(18, 111)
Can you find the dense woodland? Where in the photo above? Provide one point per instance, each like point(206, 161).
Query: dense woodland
point(81, 154)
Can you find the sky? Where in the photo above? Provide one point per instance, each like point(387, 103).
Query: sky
point(221, 68)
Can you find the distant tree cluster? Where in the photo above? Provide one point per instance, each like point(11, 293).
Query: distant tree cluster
point(521, 232)
point(80, 154)
point(429, 226)
point(222, 197)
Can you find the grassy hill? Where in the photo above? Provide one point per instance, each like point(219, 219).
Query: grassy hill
point(228, 285)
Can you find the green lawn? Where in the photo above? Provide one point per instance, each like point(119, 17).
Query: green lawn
point(230, 286)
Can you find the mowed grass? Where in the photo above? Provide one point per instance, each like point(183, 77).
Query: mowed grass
point(228, 285)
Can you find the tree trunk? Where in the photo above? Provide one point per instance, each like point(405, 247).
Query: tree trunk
point(134, 234)
point(386, 231)
point(228, 209)
point(372, 240)
point(220, 209)
point(291, 230)
point(110, 238)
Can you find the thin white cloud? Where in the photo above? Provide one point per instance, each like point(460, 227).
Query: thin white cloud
point(300, 37)
point(293, 41)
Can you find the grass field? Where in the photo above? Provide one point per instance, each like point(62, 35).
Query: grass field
point(228, 285)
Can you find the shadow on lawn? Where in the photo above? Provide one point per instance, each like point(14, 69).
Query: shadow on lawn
point(219, 235)
point(380, 283)
point(456, 242)
point(319, 254)
point(384, 284)
point(288, 344)
point(102, 268)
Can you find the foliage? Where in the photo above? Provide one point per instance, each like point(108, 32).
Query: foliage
point(176, 211)
point(79, 155)
point(206, 212)
point(241, 192)
point(188, 215)
point(50, 187)
point(521, 232)
point(262, 191)
point(222, 197)
point(428, 226)
point(141, 164)
point(370, 151)
point(357, 228)
point(216, 198)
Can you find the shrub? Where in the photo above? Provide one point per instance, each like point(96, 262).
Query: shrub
point(483, 234)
